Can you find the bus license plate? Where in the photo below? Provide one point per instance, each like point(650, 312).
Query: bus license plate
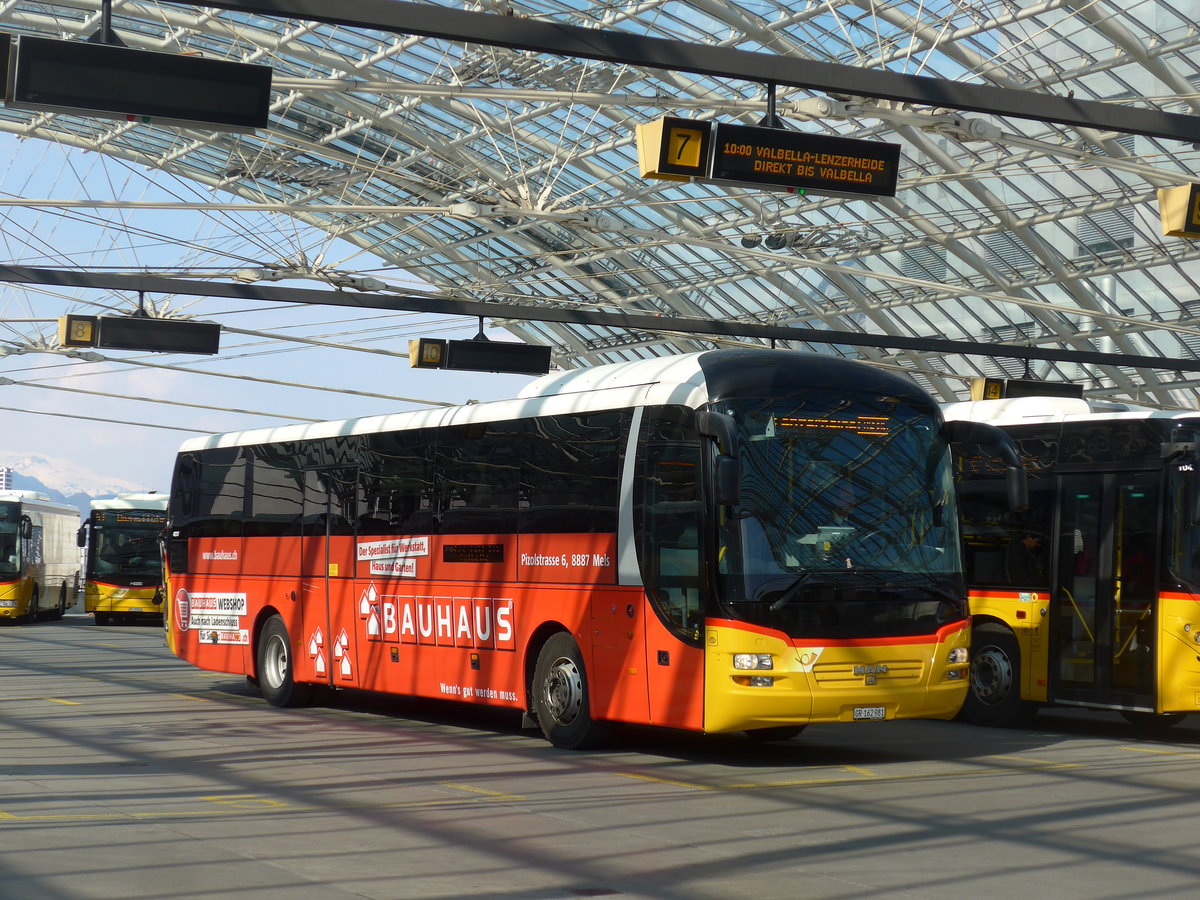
point(870, 712)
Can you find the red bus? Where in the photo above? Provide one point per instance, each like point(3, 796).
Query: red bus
point(733, 540)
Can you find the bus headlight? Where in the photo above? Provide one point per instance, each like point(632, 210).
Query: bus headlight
point(753, 661)
point(959, 656)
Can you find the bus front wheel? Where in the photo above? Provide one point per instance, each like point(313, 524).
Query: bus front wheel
point(995, 695)
point(560, 696)
point(276, 675)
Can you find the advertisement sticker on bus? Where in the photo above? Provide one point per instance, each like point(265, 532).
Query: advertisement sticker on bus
point(218, 616)
point(477, 622)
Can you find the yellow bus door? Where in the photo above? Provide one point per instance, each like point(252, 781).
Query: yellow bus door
point(1103, 607)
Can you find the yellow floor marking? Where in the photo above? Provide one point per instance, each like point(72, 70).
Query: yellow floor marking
point(862, 773)
point(1044, 763)
point(495, 795)
point(244, 807)
point(64, 702)
point(193, 697)
point(1160, 752)
point(246, 801)
point(672, 782)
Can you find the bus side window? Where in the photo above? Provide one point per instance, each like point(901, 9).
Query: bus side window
point(398, 484)
point(274, 503)
point(1003, 547)
point(218, 479)
point(478, 468)
point(570, 473)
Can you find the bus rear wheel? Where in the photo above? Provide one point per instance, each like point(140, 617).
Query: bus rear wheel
point(276, 674)
point(995, 694)
point(34, 612)
point(61, 609)
point(560, 696)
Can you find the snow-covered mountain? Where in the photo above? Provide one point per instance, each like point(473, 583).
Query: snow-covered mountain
point(62, 479)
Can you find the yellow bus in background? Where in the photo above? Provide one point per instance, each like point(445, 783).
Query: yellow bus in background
point(39, 562)
point(1090, 597)
point(123, 562)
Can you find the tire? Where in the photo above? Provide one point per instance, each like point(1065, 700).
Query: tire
point(1149, 723)
point(275, 672)
point(774, 733)
point(34, 603)
point(61, 609)
point(994, 697)
point(561, 702)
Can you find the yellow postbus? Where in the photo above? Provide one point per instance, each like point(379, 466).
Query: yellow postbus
point(39, 562)
point(123, 561)
point(1091, 597)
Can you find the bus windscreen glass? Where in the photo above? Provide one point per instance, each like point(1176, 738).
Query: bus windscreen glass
point(836, 487)
point(10, 515)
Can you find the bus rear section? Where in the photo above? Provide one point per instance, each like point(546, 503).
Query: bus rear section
point(122, 557)
point(717, 542)
point(39, 562)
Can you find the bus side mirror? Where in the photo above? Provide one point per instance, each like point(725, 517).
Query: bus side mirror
point(726, 481)
point(25, 529)
point(720, 427)
point(81, 536)
point(1018, 488)
point(1016, 479)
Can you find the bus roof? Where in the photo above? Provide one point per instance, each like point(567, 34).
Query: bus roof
point(36, 498)
point(1040, 410)
point(149, 500)
point(675, 379)
point(671, 380)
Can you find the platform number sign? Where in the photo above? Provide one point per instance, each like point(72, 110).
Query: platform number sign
point(674, 149)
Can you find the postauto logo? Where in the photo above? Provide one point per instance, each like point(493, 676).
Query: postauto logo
point(183, 609)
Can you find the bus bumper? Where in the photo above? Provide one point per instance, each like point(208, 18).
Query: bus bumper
point(757, 681)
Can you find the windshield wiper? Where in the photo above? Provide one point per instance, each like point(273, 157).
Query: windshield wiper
point(789, 593)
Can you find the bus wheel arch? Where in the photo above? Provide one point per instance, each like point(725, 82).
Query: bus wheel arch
point(994, 697)
point(274, 664)
point(559, 695)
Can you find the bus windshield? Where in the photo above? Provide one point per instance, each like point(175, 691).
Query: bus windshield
point(1183, 541)
point(10, 516)
point(846, 522)
point(126, 552)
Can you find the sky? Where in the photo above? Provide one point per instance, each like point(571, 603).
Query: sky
point(124, 418)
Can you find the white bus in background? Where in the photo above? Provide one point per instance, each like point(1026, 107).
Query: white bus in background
point(39, 561)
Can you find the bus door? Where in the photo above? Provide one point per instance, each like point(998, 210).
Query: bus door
point(327, 561)
point(1103, 610)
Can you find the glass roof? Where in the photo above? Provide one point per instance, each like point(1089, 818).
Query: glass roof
point(480, 173)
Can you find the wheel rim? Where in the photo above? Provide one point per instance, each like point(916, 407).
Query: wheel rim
point(562, 693)
point(275, 661)
point(991, 675)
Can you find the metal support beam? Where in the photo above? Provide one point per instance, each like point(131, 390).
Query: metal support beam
point(645, 322)
point(429, 20)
